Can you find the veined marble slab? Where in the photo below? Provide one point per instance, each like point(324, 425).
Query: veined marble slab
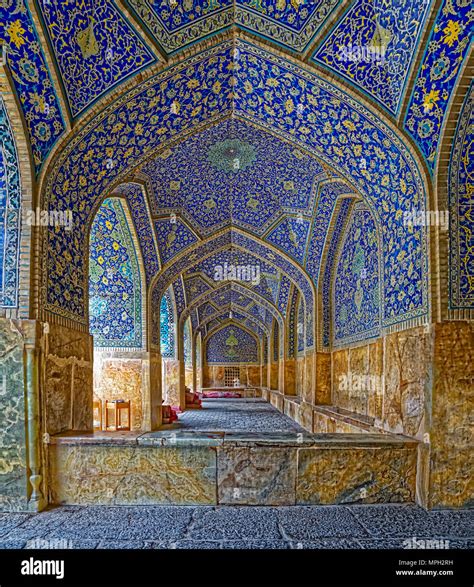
point(125, 475)
point(356, 475)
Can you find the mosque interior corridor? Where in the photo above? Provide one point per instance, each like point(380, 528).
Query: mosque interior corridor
point(237, 253)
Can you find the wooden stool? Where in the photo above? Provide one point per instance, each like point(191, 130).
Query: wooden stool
point(116, 411)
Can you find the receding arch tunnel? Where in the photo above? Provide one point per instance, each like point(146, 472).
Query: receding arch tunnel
point(264, 204)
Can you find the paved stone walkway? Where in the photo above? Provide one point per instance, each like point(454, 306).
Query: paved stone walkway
point(239, 415)
point(306, 527)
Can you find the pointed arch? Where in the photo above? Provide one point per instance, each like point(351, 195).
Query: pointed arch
point(168, 325)
point(116, 279)
point(232, 343)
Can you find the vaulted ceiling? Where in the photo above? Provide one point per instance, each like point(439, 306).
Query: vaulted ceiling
point(250, 116)
point(233, 173)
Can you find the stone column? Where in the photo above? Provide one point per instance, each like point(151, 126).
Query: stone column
point(182, 370)
point(203, 359)
point(194, 362)
point(309, 382)
point(36, 501)
point(281, 374)
point(156, 388)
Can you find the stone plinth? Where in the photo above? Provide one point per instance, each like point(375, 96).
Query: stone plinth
point(284, 468)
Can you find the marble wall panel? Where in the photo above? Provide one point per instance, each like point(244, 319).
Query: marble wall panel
point(291, 408)
point(304, 417)
point(451, 432)
point(277, 399)
point(13, 481)
point(299, 376)
point(308, 386)
point(256, 476)
point(214, 375)
point(13, 478)
point(253, 376)
point(358, 399)
point(274, 375)
point(171, 382)
point(375, 403)
point(232, 474)
point(352, 384)
point(105, 475)
point(407, 377)
point(340, 365)
point(364, 475)
point(321, 423)
point(116, 377)
point(12, 404)
point(58, 396)
point(205, 376)
point(198, 379)
point(82, 388)
point(188, 377)
point(152, 403)
point(388, 380)
point(340, 370)
point(67, 376)
point(290, 377)
point(324, 424)
point(323, 379)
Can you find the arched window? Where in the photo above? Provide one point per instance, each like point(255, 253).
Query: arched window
point(461, 212)
point(356, 289)
point(167, 326)
point(188, 359)
point(292, 325)
point(300, 326)
point(115, 280)
point(276, 341)
point(231, 344)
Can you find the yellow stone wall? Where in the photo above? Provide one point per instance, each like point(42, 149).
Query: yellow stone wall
point(390, 380)
point(418, 382)
point(300, 375)
point(118, 377)
point(325, 472)
point(290, 377)
point(67, 375)
point(107, 475)
point(323, 379)
point(249, 375)
point(171, 382)
point(451, 432)
point(188, 377)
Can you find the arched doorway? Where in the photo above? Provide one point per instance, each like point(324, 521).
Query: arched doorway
point(117, 314)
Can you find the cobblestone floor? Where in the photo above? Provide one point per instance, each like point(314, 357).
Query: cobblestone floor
point(239, 415)
point(184, 527)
